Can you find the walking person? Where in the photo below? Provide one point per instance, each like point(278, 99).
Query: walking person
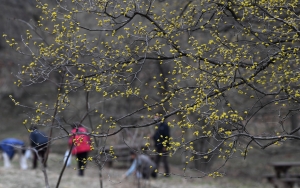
point(38, 141)
point(9, 147)
point(161, 142)
point(80, 143)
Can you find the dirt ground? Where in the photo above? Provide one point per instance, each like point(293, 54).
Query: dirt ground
point(16, 178)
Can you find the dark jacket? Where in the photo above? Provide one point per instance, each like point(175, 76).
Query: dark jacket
point(7, 146)
point(161, 136)
point(38, 139)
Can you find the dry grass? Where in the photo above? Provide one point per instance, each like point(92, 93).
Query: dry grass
point(16, 178)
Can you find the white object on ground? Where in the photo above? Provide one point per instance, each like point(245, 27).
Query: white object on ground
point(6, 160)
point(28, 154)
point(69, 159)
point(23, 162)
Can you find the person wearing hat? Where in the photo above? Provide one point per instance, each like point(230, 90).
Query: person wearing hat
point(9, 147)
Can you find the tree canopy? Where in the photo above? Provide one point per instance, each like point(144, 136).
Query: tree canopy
point(215, 70)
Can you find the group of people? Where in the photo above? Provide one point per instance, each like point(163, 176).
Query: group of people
point(143, 165)
point(80, 145)
point(38, 143)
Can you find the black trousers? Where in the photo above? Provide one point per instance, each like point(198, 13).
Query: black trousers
point(82, 159)
point(164, 159)
point(149, 172)
point(40, 153)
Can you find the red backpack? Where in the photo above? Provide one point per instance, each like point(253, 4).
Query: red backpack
point(82, 142)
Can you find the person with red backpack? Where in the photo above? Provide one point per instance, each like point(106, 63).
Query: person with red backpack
point(80, 144)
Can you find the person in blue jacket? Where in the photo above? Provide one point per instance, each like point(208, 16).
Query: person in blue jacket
point(9, 147)
point(38, 141)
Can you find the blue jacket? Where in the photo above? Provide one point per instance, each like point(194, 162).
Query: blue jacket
point(38, 138)
point(161, 135)
point(7, 146)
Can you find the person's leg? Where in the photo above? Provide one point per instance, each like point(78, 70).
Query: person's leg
point(153, 174)
point(42, 154)
point(157, 159)
point(6, 160)
point(81, 157)
point(34, 159)
point(145, 175)
point(23, 162)
point(23, 159)
point(146, 172)
point(166, 165)
point(39, 154)
point(28, 154)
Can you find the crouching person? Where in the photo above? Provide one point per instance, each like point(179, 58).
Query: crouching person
point(142, 165)
point(9, 147)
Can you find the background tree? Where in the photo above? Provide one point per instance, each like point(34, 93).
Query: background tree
point(216, 68)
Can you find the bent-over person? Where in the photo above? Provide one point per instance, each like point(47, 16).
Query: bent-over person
point(9, 147)
point(142, 165)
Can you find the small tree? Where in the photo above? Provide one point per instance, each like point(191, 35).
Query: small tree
point(214, 67)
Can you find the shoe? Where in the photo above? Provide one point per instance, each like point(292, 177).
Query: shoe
point(80, 173)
